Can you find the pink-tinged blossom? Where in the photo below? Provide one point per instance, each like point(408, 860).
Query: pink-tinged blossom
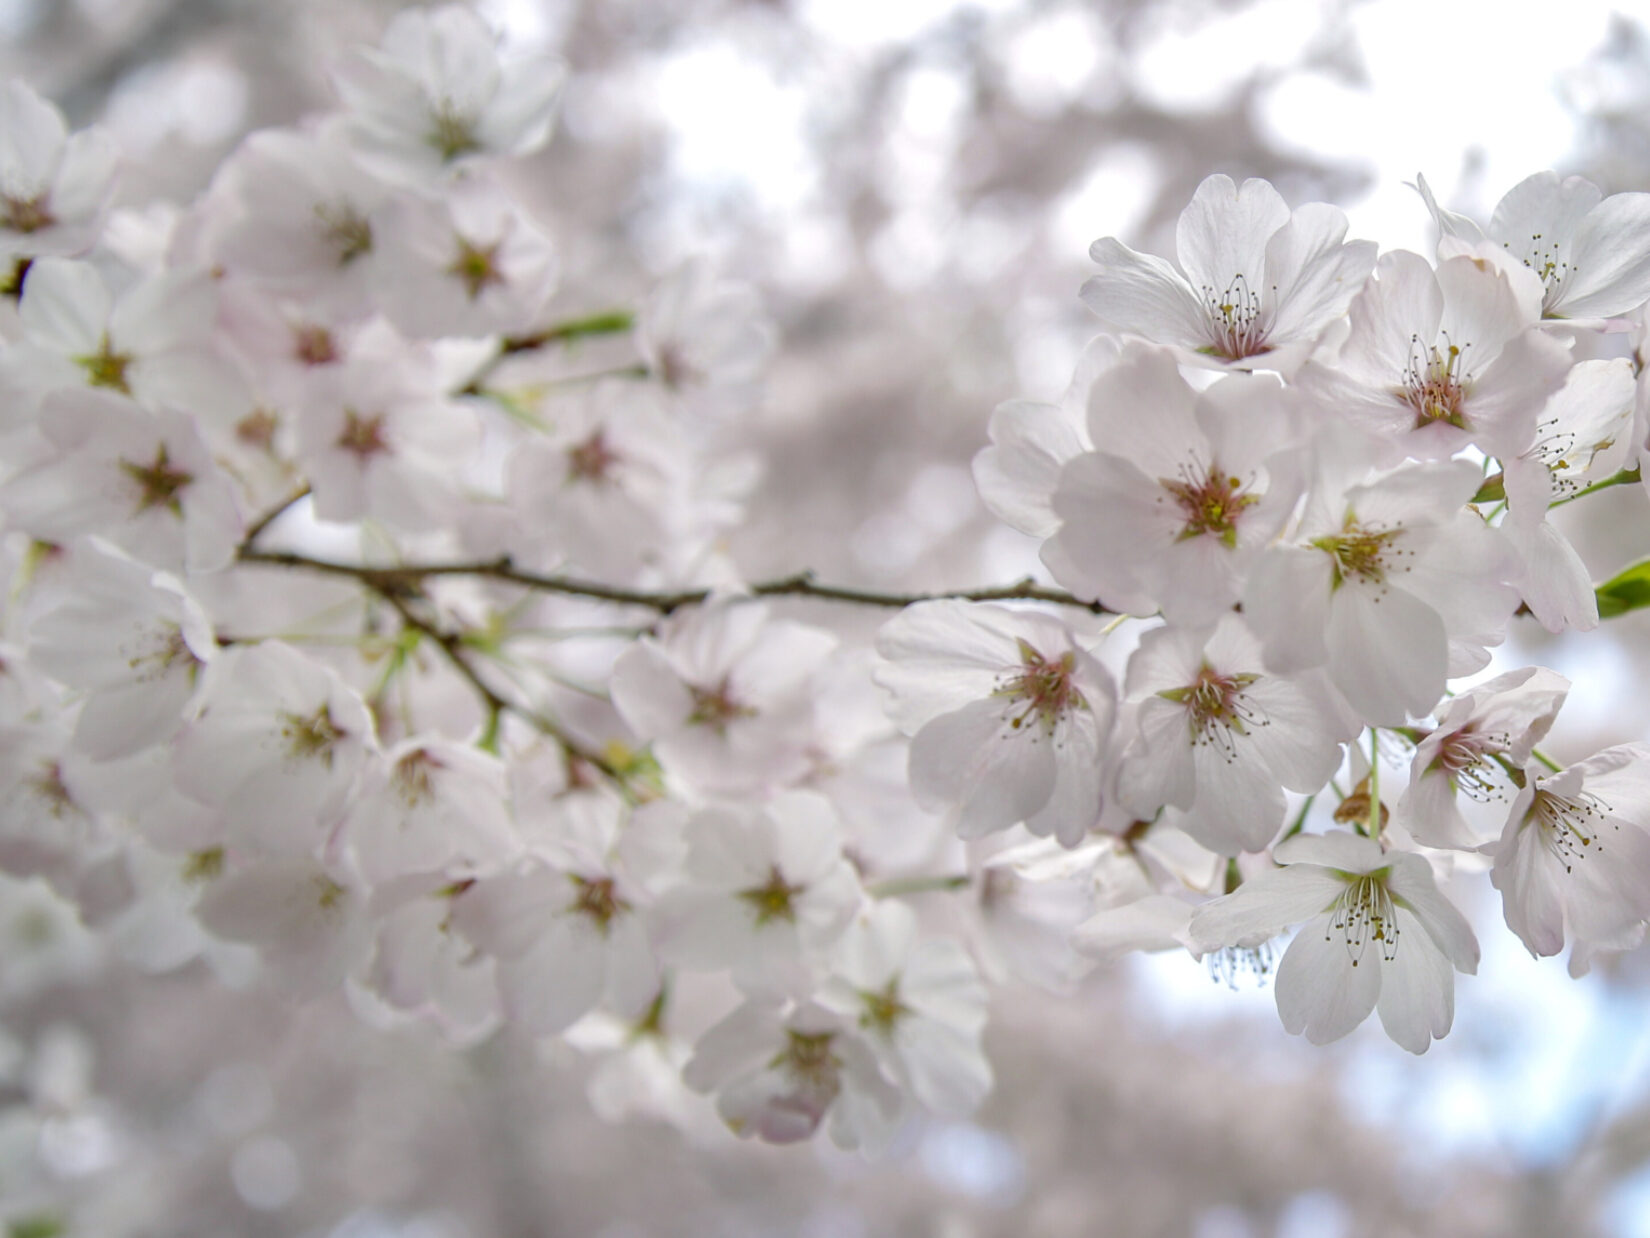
point(1220, 739)
point(705, 338)
point(307, 920)
point(48, 824)
point(566, 927)
point(144, 480)
point(1031, 443)
point(132, 640)
point(302, 217)
point(1009, 716)
point(1029, 896)
point(1257, 285)
point(1394, 590)
point(1585, 435)
point(921, 1007)
point(1440, 359)
point(422, 965)
point(277, 744)
point(53, 186)
point(1574, 859)
point(607, 489)
point(470, 264)
point(1376, 934)
point(723, 695)
point(432, 804)
point(436, 96)
point(1590, 252)
point(765, 894)
point(777, 1074)
point(378, 441)
point(151, 341)
point(1498, 722)
point(1182, 489)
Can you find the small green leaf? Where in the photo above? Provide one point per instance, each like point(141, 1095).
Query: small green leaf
point(1494, 489)
point(37, 1225)
point(1628, 589)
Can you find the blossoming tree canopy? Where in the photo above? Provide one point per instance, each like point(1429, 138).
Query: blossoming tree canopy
point(355, 620)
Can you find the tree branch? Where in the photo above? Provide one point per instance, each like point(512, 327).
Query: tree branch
point(802, 584)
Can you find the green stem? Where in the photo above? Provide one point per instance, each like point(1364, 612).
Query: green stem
point(1624, 478)
point(898, 887)
point(1372, 826)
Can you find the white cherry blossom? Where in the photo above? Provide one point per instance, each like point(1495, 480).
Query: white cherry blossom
point(1009, 716)
point(1182, 490)
point(54, 186)
point(437, 95)
point(1590, 252)
point(277, 744)
point(133, 640)
point(1438, 359)
point(722, 694)
point(1220, 739)
point(1574, 859)
point(766, 893)
point(777, 1075)
point(1394, 592)
point(1500, 720)
point(921, 1006)
point(1585, 435)
point(1257, 284)
point(1377, 936)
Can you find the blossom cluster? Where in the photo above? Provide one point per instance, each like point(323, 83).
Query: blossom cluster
point(372, 624)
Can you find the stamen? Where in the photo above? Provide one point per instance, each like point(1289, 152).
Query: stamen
point(1436, 383)
point(1045, 687)
point(1572, 827)
point(1211, 501)
point(1217, 711)
point(1237, 322)
point(1364, 913)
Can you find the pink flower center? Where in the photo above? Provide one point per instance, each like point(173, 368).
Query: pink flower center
point(1044, 686)
point(1237, 323)
point(1435, 385)
point(1211, 501)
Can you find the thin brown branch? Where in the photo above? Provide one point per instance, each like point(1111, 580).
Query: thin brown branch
point(452, 647)
point(610, 322)
point(802, 584)
point(256, 528)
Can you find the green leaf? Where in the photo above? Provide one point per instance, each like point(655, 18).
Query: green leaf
point(39, 1225)
point(1628, 589)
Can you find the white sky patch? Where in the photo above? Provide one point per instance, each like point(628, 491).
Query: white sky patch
point(523, 24)
point(201, 99)
point(733, 122)
point(1192, 66)
point(868, 24)
point(1470, 99)
point(1112, 200)
point(1051, 61)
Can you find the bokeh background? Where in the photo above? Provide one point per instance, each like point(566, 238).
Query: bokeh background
point(913, 185)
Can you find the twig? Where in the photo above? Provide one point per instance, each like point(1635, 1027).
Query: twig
point(802, 584)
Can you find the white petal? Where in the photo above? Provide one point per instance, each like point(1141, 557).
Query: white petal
point(1319, 989)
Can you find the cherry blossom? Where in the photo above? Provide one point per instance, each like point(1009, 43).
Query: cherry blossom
point(54, 185)
point(1256, 287)
point(1478, 736)
point(436, 95)
point(1574, 859)
point(1171, 505)
point(1009, 716)
point(1377, 935)
point(1393, 592)
point(1591, 253)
